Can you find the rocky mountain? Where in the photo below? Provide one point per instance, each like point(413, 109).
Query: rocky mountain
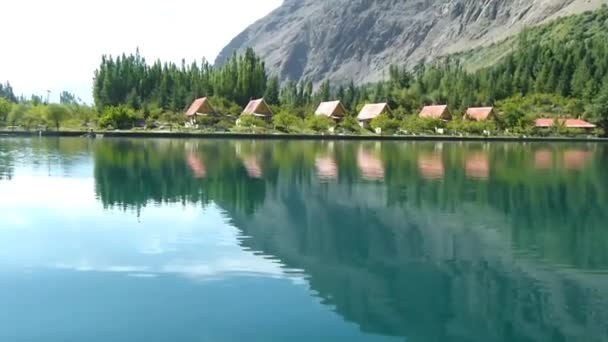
point(358, 40)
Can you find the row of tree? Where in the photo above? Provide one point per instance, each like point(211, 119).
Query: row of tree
point(566, 61)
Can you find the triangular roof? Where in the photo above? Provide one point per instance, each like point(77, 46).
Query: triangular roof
point(578, 123)
point(372, 111)
point(569, 123)
point(435, 112)
point(479, 113)
point(332, 109)
point(258, 107)
point(200, 106)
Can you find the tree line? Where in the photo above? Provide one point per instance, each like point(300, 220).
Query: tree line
point(560, 67)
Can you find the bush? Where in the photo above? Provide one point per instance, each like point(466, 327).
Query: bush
point(287, 123)
point(319, 123)
point(349, 125)
point(250, 123)
point(385, 123)
point(414, 124)
point(120, 117)
point(471, 127)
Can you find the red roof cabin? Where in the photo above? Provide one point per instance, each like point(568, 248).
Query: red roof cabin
point(479, 113)
point(332, 109)
point(436, 112)
point(258, 108)
point(568, 123)
point(372, 111)
point(200, 107)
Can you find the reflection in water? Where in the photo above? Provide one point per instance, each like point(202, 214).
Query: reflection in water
point(327, 168)
point(370, 165)
point(477, 166)
point(198, 168)
point(431, 166)
point(521, 256)
point(576, 159)
point(543, 159)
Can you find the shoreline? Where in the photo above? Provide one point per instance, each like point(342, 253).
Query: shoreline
point(270, 136)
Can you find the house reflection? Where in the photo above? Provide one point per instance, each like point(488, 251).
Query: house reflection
point(477, 166)
point(370, 166)
point(253, 167)
point(543, 159)
point(431, 166)
point(327, 168)
point(199, 170)
point(577, 159)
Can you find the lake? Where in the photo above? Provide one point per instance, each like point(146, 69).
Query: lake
point(235, 240)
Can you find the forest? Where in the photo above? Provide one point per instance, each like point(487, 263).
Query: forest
point(559, 69)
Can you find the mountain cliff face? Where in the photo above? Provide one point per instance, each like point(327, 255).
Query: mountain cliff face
point(357, 40)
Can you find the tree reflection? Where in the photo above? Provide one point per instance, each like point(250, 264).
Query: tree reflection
point(477, 256)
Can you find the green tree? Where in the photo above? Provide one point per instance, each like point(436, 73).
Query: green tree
point(57, 113)
point(5, 109)
point(16, 115)
point(287, 123)
point(319, 123)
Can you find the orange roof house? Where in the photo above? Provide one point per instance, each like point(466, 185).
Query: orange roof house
point(332, 109)
point(479, 113)
point(258, 108)
point(436, 112)
point(200, 107)
point(372, 111)
point(568, 123)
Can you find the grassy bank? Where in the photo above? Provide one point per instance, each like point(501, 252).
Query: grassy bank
point(280, 136)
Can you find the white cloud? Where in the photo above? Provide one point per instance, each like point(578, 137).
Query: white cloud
point(58, 44)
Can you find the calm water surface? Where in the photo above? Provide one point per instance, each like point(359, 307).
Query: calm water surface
point(193, 240)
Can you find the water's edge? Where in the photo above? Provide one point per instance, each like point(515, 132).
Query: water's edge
point(263, 136)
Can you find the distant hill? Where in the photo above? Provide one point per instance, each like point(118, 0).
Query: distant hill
point(357, 40)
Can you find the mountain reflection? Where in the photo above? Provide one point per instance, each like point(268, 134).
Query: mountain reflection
point(504, 247)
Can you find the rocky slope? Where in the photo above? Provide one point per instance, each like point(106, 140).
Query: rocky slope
point(357, 40)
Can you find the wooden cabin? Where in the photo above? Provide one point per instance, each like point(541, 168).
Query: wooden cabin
point(436, 112)
point(568, 123)
point(331, 109)
point(479, 113)
point(200, 107)
point(258, 108)
point(372, 111)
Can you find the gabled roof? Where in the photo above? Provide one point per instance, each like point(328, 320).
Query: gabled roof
point(331, 109)
point(258, 107)
point(372, 111)
point(578, 123)
point(479, 113)
point(435, 112)
point(200, 106)
point(568, 123)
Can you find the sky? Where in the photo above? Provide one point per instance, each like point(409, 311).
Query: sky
point(57, 45)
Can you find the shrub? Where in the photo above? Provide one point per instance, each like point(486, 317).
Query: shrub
point(287, 123)
point(414, 124)
point(250, 123)
point(472, 127)
point(349, 125)
point(120, 117)
point(385, 123)
point(319, 123)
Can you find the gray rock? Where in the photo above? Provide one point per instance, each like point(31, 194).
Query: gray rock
point(358, 40)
